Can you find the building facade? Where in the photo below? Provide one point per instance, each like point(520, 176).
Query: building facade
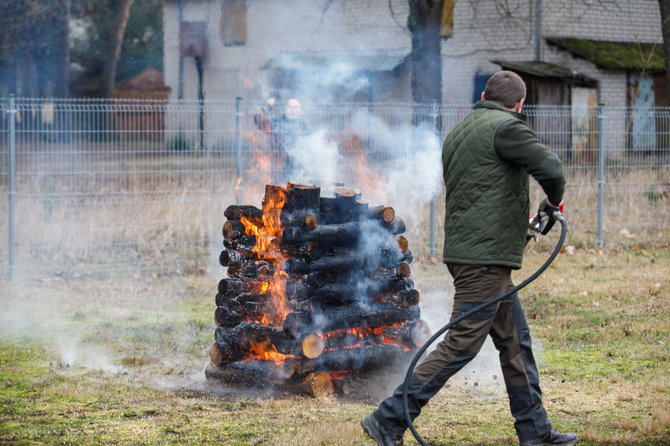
point(346, 49)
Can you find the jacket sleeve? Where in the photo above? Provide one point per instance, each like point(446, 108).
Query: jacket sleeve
point(517, 144)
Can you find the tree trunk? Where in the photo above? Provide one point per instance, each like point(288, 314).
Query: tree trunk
point(424, 25)
point(114, 49)
point(62, 20)
point(665, 27)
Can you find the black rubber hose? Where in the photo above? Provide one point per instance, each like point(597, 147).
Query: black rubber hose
point(410, 370)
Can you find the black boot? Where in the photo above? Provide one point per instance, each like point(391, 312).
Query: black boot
point(553, 438)
point(375, 431)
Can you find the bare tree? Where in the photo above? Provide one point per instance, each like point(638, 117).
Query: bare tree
point(62, 21)
point(114, 49)
point(424, 25)
point(34, 47)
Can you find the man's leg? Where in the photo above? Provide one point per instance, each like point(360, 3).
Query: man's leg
point(511, 337)
point(474, 285)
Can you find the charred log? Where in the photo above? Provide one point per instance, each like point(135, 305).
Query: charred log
point(255, 269)
point(305, 251)
point(347, 290)
point(397, 226)
point(403, 244)
point(377, 313)
point(402, 271)
point(361, 210)
point(302, 196)
point(328, 263)
point(233, 286)
point(351, 359)
point(302, 206)
point(338, 209)
point(325, 234)
point(248, 372)
point(317, 385)
point(251, 213)
point(233, 229)
point(244, 244)
point(250, 303)
point(405, 298)
point(383, 213)
point(225, 317)
point(240, 338)
point(318, 279)
point(231, 257)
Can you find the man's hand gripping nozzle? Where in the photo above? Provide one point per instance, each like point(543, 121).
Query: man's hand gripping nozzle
point(544, 220)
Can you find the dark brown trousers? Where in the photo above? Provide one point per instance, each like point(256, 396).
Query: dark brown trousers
point(506, 323)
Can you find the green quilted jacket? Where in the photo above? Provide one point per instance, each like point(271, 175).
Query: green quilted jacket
point(487, 158)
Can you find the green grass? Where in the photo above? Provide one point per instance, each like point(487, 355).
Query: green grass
point(120, 361)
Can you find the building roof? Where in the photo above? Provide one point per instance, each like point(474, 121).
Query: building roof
point(150, 79)
point(347, 61)
point(615, 55)
point(546, 70)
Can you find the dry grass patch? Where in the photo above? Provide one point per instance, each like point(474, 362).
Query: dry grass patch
point(602, 358)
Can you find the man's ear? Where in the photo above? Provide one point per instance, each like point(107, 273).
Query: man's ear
point(519, 105)
point(483, 96)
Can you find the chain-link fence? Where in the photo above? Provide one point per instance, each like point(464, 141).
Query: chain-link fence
point(98, 185)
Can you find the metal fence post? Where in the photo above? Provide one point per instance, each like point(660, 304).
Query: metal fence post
point(434, 115)
point(11, 191)
point(601, 170)
point(238, 145)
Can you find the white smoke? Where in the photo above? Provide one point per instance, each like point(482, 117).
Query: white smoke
point(408, 177)
point(73, 353)
point(314, 157)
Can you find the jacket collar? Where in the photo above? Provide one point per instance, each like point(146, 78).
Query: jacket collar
point(495, 106)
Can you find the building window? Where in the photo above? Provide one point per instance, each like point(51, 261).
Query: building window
point(234, 22)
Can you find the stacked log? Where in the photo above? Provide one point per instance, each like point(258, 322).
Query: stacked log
point(318, 283)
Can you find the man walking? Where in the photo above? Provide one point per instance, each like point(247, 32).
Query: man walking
point(486, 160)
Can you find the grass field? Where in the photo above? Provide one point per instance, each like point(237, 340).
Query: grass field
point(120, 360)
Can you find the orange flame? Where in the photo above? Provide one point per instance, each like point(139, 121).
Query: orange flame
point(264, 350)
point(246, 81)
point(268, 235)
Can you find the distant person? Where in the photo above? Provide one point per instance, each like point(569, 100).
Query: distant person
point(265, 119)
point(288, 130)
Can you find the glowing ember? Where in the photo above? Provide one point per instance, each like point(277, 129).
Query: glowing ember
point(387, 340)
point(361, 332)
point(266, 351)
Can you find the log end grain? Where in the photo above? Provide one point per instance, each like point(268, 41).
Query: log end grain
point(318, 385)
point(312, 346)
point(403, 244)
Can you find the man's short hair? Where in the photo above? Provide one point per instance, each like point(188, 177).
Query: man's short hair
point(506, 88)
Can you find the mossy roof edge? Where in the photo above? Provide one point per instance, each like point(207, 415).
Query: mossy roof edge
point(615, 55)
point(546, 70)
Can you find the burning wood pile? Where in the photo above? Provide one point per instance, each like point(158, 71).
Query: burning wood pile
point(318, 289)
